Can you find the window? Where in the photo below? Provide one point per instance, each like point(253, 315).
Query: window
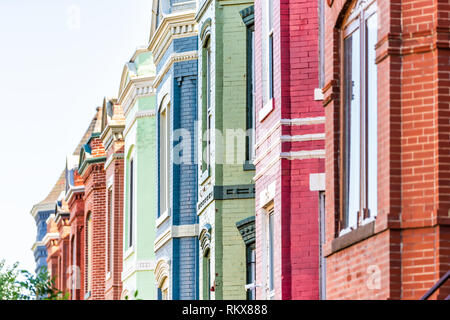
point(110, 230)
point(360, 116)
point(322, 262)
point(271, 250)
point(207, 276)
point(131, 205)
point(251, 270)
point(165, 289)
point(206, 105)
point(248, 17)
point(270, 49)
point(89, 254)
point(164, 156)
point(74, 276)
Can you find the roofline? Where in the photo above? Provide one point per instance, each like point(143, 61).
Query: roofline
point(49, 206)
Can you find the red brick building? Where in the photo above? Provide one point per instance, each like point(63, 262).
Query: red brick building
point(387, 99)
point(57, 243)
point(113, 124)
point(91, 169)
point(74, 198)
point(289, 149)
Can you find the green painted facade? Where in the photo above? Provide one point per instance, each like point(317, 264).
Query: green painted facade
point(140, 147)
point(226, 196)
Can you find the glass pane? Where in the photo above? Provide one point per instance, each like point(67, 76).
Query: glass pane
point(271, 267)
point(130, 221)
point(353, 122)
point(162, 163)
point(371, 31)
point(270, 14)
point(253, 135)
point(271, 67)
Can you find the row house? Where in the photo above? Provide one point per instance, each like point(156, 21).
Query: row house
point(290, 149)
point(138, 190)
point(40, 213)
point(387, 96)
point(225, 148)
point(112, 126)
point(264, 150)
point(173, 43)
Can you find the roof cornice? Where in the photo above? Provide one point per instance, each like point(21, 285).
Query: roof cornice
point(42, 207)
point(72, 191)
point(173, 26)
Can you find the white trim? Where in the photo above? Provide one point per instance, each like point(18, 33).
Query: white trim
point(290, 122)
point(301, 155)
point(128, 253)
point(112, 157)
point(268, 108)
point(303, 137)
point(162, 239)
point(183, 231)
point(317, 181)
point(294, 155)
point(50, 236)
point(42, 207)
point(37, 244)
point(144, 265)
point(72, 191)
point(162, 218)
point(173, 58)
point(318, 94)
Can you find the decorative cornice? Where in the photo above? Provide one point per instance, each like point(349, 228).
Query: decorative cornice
point(147, 265)
point(90, 161)
point(138, 115)
point(49, 237)
point(42, 207)
point(162, 271)
point(247, 228)
point(113, 157)
point(72, 191)
point(205, 237)
point(182, 231)
point(174, 58)
point(173, 26)
point(247, 15)
point(137, 87)
point(36, 245)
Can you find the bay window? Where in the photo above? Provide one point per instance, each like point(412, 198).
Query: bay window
point(360, 116)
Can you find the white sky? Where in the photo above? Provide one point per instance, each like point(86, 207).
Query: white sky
point(53, 73)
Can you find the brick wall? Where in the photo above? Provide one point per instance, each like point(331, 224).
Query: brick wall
point(280, 157)
point(115, 174)
point(95, 204)
point(412, 225)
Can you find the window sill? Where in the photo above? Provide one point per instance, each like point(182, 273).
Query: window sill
point(128, 253)
point(205, 175)
point(162, 218)
point(352, 237)
point(267, 109)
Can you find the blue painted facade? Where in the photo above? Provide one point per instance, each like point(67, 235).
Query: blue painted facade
point(40, 250)
point(179, 87)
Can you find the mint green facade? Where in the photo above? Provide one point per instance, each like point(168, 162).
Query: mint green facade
point(226, 188)
point(140, 204)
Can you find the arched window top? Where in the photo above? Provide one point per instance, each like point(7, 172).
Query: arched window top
point(359, 9)
point(205, 31)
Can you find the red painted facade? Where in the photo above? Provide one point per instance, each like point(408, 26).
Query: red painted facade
point(289, 148)
point(407, 249)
